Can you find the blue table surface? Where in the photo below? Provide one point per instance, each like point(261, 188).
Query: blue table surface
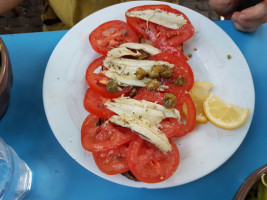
point(57, 176)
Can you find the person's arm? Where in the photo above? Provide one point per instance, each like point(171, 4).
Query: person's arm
point(246, 20)
point(7, 5)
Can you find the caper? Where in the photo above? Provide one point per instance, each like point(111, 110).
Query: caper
point(180, 81)
point(140, 74)
point(133, 92)
point(153, 74)
point(153, 84)
point(167, 73)
point(155, 71)
point(143, 56)
point(112, 86)
point(169, 100)
point(159, 68)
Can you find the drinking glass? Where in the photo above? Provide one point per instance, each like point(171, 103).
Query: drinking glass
point(15, 175)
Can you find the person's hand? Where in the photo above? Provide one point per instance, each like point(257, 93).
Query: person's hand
point(7, 5)
point(251, 18)
point(246, 20)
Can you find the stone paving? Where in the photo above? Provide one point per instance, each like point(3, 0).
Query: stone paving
point(26, 17)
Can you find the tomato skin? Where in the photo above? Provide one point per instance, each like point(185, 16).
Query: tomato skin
point(181, 69)
point(160, 35)
point(111, 34)
point(149, 164)
point(190, 123)
point(170, 127)
point(104, 137)
point(174, 51)
point(95, 104)
point(113, 161)
point(93, 80)
point(144, 94)
point(138, 24)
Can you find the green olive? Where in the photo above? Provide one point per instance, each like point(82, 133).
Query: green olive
point(112, 86)
point(180, 81)
point(140, 74)
point(133, 92)
point(152, 85)
point(169, 100)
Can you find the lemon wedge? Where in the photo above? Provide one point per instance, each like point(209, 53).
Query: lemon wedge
point(199, 93)
point(227, 116)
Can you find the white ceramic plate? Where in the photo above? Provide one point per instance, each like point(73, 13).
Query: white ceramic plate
point(203, 150)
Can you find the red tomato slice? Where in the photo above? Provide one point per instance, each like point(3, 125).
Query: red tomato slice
point(160, 35)
point(172, 50)
point(181, 69)
point(138, 24)
point(111, 34)
point(169, 126)
point(94, 80)
point(149, 164)
point(113, 161)
point(190, 122)
point(104, 137)
point(144, 94)
point(94, 103)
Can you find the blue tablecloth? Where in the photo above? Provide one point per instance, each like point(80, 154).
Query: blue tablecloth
point(57, 176)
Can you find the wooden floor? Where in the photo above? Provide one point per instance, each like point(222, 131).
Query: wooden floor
point(26, 17)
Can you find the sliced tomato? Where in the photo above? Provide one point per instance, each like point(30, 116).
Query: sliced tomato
point(181, 69)
point(174, 51)
point(189, 124)
point(160, 35)
point(144, 94)
point(177, 51)
point(140, 25)
point(111, 34)
point(113, 161)
point(183, 98)
point(95, 104)
point(103, 137)
point(149, 164)
point(170, 126)
point(95, 80)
